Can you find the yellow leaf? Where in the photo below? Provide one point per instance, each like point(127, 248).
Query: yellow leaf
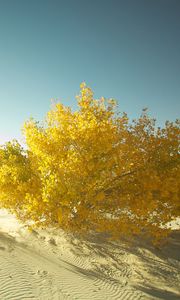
point(100, 196)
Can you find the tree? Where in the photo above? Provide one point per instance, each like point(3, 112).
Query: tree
point(93, 169)
point(18, 179)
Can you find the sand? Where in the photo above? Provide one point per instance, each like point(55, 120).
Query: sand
point(50, 265)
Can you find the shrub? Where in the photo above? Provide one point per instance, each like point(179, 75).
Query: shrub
point(93, 169)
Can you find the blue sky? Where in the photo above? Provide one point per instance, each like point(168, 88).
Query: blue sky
point(127, 50)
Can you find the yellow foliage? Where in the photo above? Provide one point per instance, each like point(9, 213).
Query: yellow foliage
point(93, 169)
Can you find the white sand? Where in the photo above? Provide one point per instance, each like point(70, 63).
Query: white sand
point(50, 265)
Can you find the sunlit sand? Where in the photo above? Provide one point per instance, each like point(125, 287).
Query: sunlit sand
point(49, 264)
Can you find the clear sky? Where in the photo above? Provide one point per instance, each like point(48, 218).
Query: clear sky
point(125, 49)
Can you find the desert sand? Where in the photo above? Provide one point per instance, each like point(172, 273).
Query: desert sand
point(49, 265)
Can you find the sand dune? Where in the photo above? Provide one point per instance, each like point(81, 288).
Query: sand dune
point(50, 265)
